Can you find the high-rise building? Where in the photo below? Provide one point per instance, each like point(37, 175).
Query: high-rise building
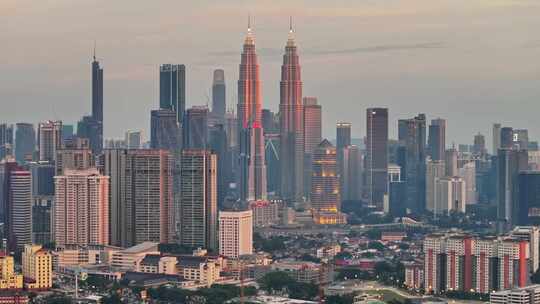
point(198, 205)
point(449, 195)
point(148, 197)
point(396, 192)
point(272, 144)
point(479, 146)
point(195, 128)
point(89, 127)
point(76, 156)
point(291, 125)
point(67, 132)
point(376, 155)
point(270, 121)
point(219, 95)
point(81, 210)
point(97, 91)
point(343, 140)
point(172, 89)
point(507, 138)
point(133, 139)
point(325, 191)
point(6, 140)
point(165, 132)
point(42, 201)
point(16, 195)
point(435, 170)
point(496, 138)
point(49, 140)
point(252, 168)
point(530, 234)
point(235, 233)
point(529, 198)
point(437, 139)
point(509, 163)
point(351, 183)
point(218, 144)
point(412, 135)
point(37, 266)
point(467, 171)
point(25, 142)
point(451, 162)
point(312, 137)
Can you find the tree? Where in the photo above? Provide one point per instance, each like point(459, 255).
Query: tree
point(303, 291)
point(376, 245)
point(275, 281)
point(340, 299)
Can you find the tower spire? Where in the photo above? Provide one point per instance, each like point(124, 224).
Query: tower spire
point(290, 40)
point(249, 36)
point(94, 50)
point(290, 24)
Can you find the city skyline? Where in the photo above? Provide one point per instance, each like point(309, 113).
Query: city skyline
point(418, 60)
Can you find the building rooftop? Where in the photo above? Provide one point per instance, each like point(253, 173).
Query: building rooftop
point(142, 247)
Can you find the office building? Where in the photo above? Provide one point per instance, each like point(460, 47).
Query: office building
point(509, 163)
point(252, 165)
point(435, 170)
point(195, 128)
point(25, 142)
point(479, 146)
point(81, 210)
point(89, 127)
point(219, 95)
point(265, 213)
point(165, 132)
point(235, 233)
point(529, 198)
point(291, 125)
point(376, 168)
point(396, 192)
point(49, 139)
point(351, 182)
point(437, 139)
point(37, 267)
point(218, 144)
point(467, 171)
point(6, 140)
point(325, 191)
point(133, 139)
point(172, 89)
point(412, 135)
point(272, 142)
point(312, 136)
point(496, 138)
point(451, 162)
point(343, 140)
point(198, 204)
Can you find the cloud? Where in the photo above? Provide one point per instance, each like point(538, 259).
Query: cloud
point(379, 48)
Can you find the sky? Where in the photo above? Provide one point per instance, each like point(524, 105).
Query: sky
point(473, 62)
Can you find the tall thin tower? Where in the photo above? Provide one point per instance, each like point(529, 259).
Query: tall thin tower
point(291, 124)
point(252, 177)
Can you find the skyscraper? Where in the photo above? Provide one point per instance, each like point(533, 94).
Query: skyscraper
point(510, 162)
point(25, 142)
point(89, 127)
point(81, 210)
point(451, 162)
point(312, 137)
point(435, 170)
point(19, 209)
point(437, 139)
point(172, 89)
point(412, 134)
point(343, 140)
point(291, 125)
point(351, 186)
point(6, 140)
point(49, 139)
point(76, 156)
point(97, 91)
point(496, 138)
point(219, 95)
point(235, 233)
point(148, 197)
point(449, 195)
point(198, 205)
point(529, 198)
point(325, 192)
point(479, 146)
point(165, 132)
point(377, 155)
point(218, 144)
point(195, 128)
point(507, 138)
point(252, 167)
point(343, 135)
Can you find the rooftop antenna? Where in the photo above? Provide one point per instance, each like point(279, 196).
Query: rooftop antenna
point(94, 50)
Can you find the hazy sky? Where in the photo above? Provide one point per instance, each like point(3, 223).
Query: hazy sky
point(473, 62)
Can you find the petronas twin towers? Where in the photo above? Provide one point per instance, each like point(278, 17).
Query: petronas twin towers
point(252, 167)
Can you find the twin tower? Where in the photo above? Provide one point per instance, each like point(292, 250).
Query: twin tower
point(252, 167)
